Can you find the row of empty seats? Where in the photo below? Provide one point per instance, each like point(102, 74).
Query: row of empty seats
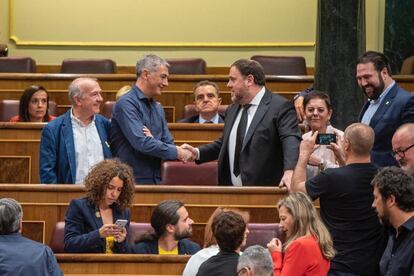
point(259, 233)
point(273, 65)
point(10, 108)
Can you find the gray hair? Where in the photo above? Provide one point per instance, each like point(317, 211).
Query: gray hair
point(258, 259)
point(151, 63)
point(75, 88)
point(10, 215)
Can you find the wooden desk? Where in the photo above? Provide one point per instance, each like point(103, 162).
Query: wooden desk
point(20, 143)
point(116, 264)
point(49, 202)
point(116, 81)
point(177, 94)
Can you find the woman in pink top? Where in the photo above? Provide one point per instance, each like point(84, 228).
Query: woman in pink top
point(308, 248)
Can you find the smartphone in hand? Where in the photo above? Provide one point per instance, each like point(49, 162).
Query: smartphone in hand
point(325, 138)
point(121, 223)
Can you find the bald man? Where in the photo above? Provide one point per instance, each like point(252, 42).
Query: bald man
point(402, 147)
point(75, 141)
point(345, 196)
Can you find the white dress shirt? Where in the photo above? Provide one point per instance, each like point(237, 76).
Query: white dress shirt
point(236, 180)
point(214, 120)
point(88, 147)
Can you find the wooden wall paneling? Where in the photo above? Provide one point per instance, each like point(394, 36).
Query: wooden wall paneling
point(15, 169)
point(49, 202)
point(34, 230)
point(120, 264)
point(23, 139)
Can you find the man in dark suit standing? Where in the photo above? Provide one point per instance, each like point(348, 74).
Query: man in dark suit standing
point(388, 106)
point(260, 141)
point(207, 101)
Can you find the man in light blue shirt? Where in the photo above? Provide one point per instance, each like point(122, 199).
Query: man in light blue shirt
point(388, 106)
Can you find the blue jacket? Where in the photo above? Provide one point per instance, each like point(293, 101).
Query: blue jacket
point(131, 113)
point(21, 256)
point(57, 149)
point(196, 119)
point(82, 228)
point(396, 108)
point(185, 247)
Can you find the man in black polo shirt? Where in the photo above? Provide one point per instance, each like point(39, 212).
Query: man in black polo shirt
point(345, 196)
point(394, 202)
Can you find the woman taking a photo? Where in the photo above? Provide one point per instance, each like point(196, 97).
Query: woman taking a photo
point(318, 112)
point(90, 221)
point(308, 248)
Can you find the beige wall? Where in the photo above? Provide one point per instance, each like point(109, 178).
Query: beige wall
point(231, 29)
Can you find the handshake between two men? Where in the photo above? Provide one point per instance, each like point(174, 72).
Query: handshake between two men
point(186, 153)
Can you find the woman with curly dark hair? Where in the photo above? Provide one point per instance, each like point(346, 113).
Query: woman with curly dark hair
point(90, 221)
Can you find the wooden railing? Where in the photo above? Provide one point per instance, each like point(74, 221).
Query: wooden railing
point(116, 264)
point(48, 203)
point(20, 143)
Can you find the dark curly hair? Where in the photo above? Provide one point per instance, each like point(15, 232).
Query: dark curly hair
point(97, 181)
point(228, 229)
point(395, 181)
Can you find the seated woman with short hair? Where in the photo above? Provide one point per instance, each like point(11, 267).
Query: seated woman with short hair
point(309, 247)
point(90, 221)
point(33, 106)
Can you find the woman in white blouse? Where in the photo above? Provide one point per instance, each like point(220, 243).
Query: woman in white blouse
point(318, 112)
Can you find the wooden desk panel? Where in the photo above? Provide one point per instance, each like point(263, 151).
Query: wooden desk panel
point(116, 264)
point(177, 99)
point(178, 93)
point(20, 143)
point(116, 81)
point(49, 202)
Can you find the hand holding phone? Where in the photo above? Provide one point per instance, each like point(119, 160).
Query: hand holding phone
point(121, 223)
point(120, 232)
point(325, 138)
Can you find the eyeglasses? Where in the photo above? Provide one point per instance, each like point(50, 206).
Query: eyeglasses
point(401, 152)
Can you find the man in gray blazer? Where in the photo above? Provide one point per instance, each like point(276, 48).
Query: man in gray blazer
point(260, 141)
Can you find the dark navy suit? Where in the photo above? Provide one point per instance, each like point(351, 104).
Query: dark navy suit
point(270, 147)
point(396, 108)
point(195, 119)
point(57, 149)
point(82, 228)
point(185, 247)
point(21, 256)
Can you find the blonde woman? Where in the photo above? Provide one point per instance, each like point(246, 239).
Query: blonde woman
point(308, 248)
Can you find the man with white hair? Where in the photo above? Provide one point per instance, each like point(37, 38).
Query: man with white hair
point(19, 255)
point(75, 141)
